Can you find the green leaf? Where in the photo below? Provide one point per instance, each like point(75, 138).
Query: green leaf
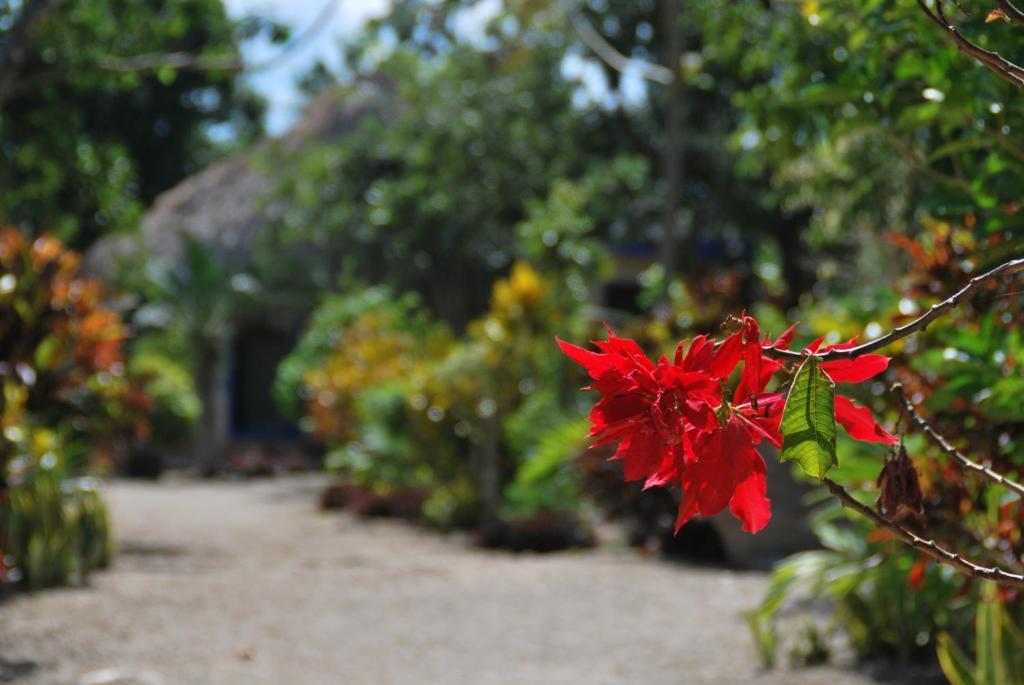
point(1013, 649)
point(991, 666)
point(956, 666)
point(808, 420)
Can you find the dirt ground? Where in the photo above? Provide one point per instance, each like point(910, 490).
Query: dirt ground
point(224, 583)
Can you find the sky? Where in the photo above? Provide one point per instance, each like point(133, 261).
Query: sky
point(277, 84)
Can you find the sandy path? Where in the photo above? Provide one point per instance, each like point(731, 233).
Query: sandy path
point(225, 583)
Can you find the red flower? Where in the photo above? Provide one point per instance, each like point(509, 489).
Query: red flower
point(727, 470)
point(758, 368)
point(667, 420)
point(673, 426)
point(646, 407)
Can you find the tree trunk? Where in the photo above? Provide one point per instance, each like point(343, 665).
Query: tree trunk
point(489, 475)
point(673, 157)
point(211, 380)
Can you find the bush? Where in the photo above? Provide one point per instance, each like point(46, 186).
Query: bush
point(327, 331)
point(55, 530)
point(885, 598)
point(403, 407)
point(155, 364)
point(67, 403)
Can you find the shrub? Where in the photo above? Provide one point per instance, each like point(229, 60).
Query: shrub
point(403, 407)
point(67, 402)
point(155, 364)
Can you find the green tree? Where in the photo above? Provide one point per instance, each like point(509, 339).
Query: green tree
point(106, 103)
point(197, 299)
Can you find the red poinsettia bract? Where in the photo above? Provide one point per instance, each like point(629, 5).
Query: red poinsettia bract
point(673, 426)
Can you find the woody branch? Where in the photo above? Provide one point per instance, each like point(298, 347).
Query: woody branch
point(993, 61)
point(951, 451)
point(919, 324)
point(925, 545)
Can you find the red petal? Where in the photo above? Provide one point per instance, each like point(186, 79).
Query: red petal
point(852, 342)
point(687, 510)
point(710, 480)
point(783, 341)
point(855, 370)
point(751, 377)
point(679, 353)
point(625, 347)
point(749, 502)
point(859, 423)
point(671, 466)
point(727, 356)
point(610, 410)
point(641, 453)
point(594, 362)
point(759, 431)
point(700, 354)
point(747, 388)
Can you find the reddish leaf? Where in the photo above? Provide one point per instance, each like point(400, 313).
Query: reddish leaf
point(727, 356)
point(916, 576)
point(859, 423)
point(855, 370)
point(749, 502)
point(785, 340)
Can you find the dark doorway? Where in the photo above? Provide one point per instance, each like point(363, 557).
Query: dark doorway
point(257, 351)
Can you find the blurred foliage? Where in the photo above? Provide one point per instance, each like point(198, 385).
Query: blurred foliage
point(867, 117)
point(61, 365)
point(402, 404)
point(69, 164)
point(999, 644)
point(56, 530)
point(473, 135)
point(68, 401)
point(548, 479)
point(194, 296)
point(380, 346)
point(963, 372)
point(423, 198)
point(884, 599)
point(193, 302)
point(159, 363)
point(336, 355)
point(321, 337)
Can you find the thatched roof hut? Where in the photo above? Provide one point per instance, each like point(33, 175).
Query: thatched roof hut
point(227, 205)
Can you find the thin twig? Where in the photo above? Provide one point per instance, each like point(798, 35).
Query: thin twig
point(182, 61)
point(919, 324)
point(615, 59)
point(1010, 11)
point(993, 61)
point(191, 61)
point(949, 450)
point(929, 547)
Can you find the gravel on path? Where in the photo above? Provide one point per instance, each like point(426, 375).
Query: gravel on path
point(224, 583)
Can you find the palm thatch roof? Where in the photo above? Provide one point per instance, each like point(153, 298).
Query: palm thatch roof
point(226, 205)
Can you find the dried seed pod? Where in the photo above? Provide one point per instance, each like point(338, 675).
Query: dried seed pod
point(901, 498)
